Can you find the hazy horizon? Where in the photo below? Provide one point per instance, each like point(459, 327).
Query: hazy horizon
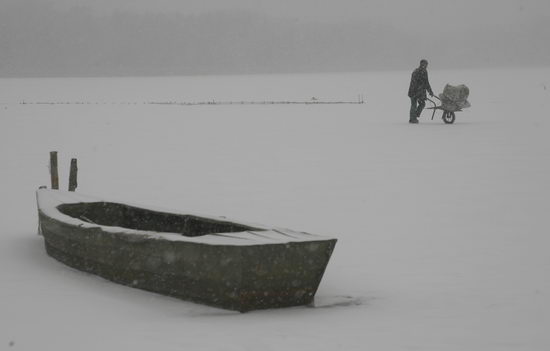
point(121, 38)
point(332, 11)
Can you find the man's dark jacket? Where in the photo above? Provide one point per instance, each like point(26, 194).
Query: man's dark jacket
point(419, 84)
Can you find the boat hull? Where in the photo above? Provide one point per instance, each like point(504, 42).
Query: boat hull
point(235, 277)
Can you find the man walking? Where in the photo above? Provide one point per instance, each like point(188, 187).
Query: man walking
point(417, 91)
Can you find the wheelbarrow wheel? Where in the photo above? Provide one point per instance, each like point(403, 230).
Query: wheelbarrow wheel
point(448, 117)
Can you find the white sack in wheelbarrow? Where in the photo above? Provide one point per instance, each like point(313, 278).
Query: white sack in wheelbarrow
point(455, 98)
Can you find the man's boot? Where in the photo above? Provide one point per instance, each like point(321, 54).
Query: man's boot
point(413, 120)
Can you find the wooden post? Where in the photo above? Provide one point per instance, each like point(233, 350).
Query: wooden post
point(53, 170)
point(72, 175)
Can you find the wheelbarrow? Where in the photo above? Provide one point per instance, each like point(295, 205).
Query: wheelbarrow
point(453, 99)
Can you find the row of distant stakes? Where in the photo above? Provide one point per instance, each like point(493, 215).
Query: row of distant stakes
point(312, 101)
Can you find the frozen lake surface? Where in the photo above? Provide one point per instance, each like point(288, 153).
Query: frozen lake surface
point(443, 229)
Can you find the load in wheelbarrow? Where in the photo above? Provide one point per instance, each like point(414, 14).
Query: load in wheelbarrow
point(453, 99)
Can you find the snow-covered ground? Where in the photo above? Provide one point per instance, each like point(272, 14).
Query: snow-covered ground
point(443, 229)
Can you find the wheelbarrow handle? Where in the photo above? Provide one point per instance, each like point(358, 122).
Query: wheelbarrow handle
point(435, 107)
point(433, 102)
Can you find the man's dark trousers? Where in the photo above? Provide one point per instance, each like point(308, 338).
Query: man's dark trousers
point(417, 105)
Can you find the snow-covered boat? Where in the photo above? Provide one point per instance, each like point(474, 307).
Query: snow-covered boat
point(209, 260)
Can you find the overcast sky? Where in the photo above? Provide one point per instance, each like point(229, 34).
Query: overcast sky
point(60, 37)
point(408, 11)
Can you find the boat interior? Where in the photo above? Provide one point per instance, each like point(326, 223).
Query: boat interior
point(125, 216)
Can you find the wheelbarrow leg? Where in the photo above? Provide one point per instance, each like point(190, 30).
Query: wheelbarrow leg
point(434, 108)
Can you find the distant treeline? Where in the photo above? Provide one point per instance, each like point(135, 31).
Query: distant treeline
point(40, 40)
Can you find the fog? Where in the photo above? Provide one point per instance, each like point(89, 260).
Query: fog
point(171, 37)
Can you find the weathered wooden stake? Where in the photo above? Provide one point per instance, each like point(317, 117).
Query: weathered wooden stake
point(72, 175)
point(53, 170)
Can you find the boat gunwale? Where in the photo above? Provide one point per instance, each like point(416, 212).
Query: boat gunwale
point(48, 206)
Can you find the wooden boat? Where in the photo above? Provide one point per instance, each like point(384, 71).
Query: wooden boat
point(209, 260)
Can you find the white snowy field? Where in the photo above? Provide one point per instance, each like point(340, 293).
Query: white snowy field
point(443, 230)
